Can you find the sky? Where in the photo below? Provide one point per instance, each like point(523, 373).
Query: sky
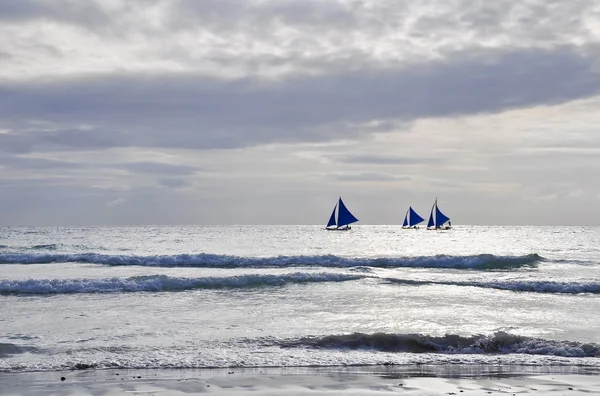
point(137, 112)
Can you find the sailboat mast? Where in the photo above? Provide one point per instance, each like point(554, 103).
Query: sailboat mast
point(337, 219)
point(434, 212)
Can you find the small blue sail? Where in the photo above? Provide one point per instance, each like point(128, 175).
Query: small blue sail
point(344, 215)
point(440, 218)
point(331, 222)
point(405, 224)
point(414, 217)
point(430, 222)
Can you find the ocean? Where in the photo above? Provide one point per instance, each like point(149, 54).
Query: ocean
point(297, 296)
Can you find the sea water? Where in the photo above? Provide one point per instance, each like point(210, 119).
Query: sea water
point(283, 296)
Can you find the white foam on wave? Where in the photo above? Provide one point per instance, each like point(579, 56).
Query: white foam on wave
point(162, 283)
point(496, 350)
point(7, 349)
point(538, 286)
point(205, 260)
point(497, 343)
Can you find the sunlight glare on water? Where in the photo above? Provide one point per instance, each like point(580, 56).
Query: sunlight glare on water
point(256, 296)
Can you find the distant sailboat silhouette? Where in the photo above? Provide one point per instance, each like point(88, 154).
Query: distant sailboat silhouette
point(437, 219)
point(344, 218)
point(411, 219)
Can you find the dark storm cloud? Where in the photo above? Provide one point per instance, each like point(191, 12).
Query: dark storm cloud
point(189, 111)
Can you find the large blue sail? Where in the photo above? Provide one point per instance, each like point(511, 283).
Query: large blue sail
point(414, 217)
point(440, 218)
point(331, 222)
point(344, 215)
point(405, 224)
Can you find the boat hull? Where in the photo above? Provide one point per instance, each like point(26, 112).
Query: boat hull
point(346, 228)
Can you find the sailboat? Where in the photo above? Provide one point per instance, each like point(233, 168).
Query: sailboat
point(344, 218)
point(438, 220)
point(411, 219)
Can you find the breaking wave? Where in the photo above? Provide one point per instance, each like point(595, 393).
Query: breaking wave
point(161, 283)
point(518, 286)
point(51, 246)
point(204, 260)
point(497, 343)
point(7, 349)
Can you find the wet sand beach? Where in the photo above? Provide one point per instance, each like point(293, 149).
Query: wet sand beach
point(447, 380)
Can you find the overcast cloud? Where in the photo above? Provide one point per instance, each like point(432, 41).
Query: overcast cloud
point(264, 112)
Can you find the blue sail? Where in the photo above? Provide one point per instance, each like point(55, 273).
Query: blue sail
point(440, 218)
point(344, 215)
point(331, 222)
point(405, 224)
point(414, 217)
point(430, 223)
